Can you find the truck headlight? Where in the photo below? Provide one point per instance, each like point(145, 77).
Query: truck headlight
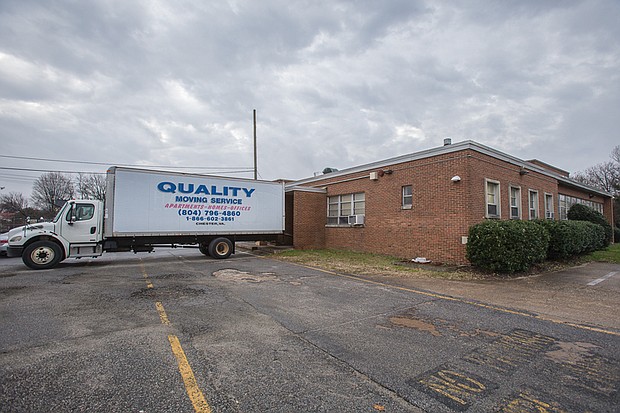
point(16, 238)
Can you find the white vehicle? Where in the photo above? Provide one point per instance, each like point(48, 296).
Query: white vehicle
point(144, 209)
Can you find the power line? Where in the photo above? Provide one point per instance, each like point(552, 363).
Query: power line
point(104, 173)
point(250, 169)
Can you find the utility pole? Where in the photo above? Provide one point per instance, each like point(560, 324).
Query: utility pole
point(255, 163)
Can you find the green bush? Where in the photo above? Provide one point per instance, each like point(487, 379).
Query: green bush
point(571, 238)
point(580, 212)
point(507, 246)
point(616, 235)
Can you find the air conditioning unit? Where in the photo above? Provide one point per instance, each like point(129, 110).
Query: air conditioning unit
point(356, 220)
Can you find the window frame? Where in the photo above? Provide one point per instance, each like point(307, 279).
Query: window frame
point(518, 201)
point(549, 213)
point(407, 196)
point(353, 203)
point(567, 201)
point(73, 212)
point(536, 205)
point(497, 199)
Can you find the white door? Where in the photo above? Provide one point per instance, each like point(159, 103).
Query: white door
point(80, 223)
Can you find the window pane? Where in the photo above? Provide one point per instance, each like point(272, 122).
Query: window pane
point(407, 195)
point(360, 208)
point(346, 209)
point(333, 210)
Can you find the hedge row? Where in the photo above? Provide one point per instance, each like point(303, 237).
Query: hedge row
point(512, 246)
point(580, 212)
point(507, 246)
point(571, 238)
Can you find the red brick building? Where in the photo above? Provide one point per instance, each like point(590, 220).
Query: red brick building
point(422, 204)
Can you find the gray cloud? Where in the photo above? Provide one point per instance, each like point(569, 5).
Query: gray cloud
point(335, 83)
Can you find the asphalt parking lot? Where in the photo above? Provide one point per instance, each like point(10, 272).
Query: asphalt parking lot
point(177, 332)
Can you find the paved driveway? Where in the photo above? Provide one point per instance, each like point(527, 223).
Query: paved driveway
point(587, 294)
point(177, 332)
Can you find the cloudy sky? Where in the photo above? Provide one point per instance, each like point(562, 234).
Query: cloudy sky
point(335, 83)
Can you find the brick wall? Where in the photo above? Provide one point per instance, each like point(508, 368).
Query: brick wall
point(309, 219)
point(442, 210)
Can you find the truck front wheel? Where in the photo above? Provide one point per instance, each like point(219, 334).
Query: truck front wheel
point(42, 255)
point(220, 248)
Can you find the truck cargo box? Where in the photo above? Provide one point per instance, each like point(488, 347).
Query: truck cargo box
point(143, 202)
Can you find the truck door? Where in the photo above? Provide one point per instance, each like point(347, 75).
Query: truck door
point(80, 223)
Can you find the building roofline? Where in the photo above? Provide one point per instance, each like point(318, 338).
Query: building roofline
point(292, 188)
point(446, 149)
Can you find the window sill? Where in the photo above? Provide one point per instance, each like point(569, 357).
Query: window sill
point(407, 207)
point(344, 226)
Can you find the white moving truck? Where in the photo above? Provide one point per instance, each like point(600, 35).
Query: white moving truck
point(144, 209)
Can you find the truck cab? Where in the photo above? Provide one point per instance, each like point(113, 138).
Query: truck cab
point(76, 231)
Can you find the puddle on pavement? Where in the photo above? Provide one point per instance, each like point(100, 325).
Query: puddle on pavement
point(415, 323)
point(230, 274)
point(571, 352)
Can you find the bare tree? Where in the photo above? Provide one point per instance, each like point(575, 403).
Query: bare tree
point(615, 155)
point(13, 202)
point(50, 189)
point(605, 176)
point(91, 186)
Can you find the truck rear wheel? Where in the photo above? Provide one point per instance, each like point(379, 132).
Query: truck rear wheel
point(220, 248)
point(42, 255)
point(204, 248)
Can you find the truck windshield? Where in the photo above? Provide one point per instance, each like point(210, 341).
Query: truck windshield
point(59, 214)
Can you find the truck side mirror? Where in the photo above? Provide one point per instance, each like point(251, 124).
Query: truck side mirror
point(72, 217)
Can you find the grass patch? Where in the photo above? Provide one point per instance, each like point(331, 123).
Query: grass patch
point(349, 262)
point(610, 254)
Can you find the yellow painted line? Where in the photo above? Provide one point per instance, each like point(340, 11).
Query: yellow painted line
point(149, 284)
point(162, 313)
point(193, 391)
point(461, 300)
point(191, 387)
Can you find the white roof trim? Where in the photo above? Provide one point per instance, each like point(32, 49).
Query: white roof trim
point(442, 150)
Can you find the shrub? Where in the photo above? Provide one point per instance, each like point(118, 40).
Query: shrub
point(580, 212)
point(571, 238)
point(507, 246)
point(616, 235)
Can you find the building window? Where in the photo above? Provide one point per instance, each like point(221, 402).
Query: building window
point(407, 197)
point(515, 202)
point(340, 207)
point(533, 204)
point(492, 195)
point(565, 202)
point(549, 214)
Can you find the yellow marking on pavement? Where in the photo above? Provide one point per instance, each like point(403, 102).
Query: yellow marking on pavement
point(149, 284)
point(191, 386)
point(461, 300)
point(162, 313)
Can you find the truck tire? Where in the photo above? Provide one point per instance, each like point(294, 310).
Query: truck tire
point(42, 255)
point(220, 248)
point(204, 248)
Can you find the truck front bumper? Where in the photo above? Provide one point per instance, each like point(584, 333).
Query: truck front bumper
point(14, 251)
